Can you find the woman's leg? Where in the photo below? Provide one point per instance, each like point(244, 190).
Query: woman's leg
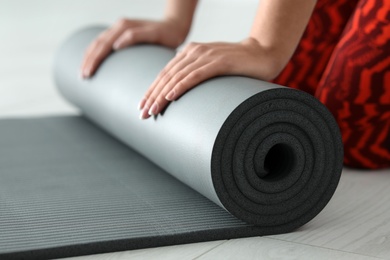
point(356, 86)
point(309, 61)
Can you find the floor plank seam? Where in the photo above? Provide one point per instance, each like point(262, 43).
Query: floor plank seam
point(328, 248)
point(209, 250)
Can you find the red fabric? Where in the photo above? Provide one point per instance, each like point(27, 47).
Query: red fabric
point(344, 60)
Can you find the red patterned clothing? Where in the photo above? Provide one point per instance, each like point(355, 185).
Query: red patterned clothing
point(343, 59)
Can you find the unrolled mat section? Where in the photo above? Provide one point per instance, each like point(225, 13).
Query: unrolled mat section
point(269, 155)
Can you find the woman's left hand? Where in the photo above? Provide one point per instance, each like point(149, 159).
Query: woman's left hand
point(201, 61)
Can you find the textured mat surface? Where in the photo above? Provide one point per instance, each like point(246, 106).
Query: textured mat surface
point(263, 159)
point(67, 188)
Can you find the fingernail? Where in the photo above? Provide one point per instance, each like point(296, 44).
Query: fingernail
point(153, 109)
point(171, 95)
point(141, 104)
point(143, 114)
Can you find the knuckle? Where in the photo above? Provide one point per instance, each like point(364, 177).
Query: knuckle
point(165, 91)
point(201, 48)
point(103, 35)
point(160, 100)
point(211, 52)
point(92, 47)
point(191, 45)
point(128, 33)
point(101, 39)
point(149, 102)
point(100, 42)
point(122, 22)
point(180, 86)
point(195, 75)
point(179, 75)
point(168, 75)
point(163, 72)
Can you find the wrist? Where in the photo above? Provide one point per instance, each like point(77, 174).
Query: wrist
point(179, 29)
point(267, 61)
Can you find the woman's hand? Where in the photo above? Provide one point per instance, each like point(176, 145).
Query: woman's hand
point(276, 32)
point(201, 61)
point(170, 33)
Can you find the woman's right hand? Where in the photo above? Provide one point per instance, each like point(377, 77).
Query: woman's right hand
point(127, 32)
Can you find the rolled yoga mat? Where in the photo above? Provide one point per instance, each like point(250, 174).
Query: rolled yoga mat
point(233, 157)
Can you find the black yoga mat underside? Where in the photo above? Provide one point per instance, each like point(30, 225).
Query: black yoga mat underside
point(233, 157)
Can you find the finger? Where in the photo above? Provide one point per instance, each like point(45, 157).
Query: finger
point(136, 35)
point(176, 71)
point(87, 55)
point(101, 38)
point(195, 77)
point(99, 52)
point(95, 53)
point(159, 97)
point(165, 73)
point(101, 47)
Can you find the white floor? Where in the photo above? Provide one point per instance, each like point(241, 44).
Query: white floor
point(354, 225)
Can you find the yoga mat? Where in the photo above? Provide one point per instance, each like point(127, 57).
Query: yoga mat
point(234, 157)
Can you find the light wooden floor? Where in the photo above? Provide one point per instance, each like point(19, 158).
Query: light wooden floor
point(354, 225)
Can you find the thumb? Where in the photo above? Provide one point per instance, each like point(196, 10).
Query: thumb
point(135, 35)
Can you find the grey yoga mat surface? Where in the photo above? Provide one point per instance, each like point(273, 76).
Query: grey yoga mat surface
point(233, 157)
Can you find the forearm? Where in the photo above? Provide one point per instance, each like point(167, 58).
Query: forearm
point(181, 13)
point(277, 30)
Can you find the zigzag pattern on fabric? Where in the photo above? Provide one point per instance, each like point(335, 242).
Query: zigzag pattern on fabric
point(356, 86)
point(344, 60)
